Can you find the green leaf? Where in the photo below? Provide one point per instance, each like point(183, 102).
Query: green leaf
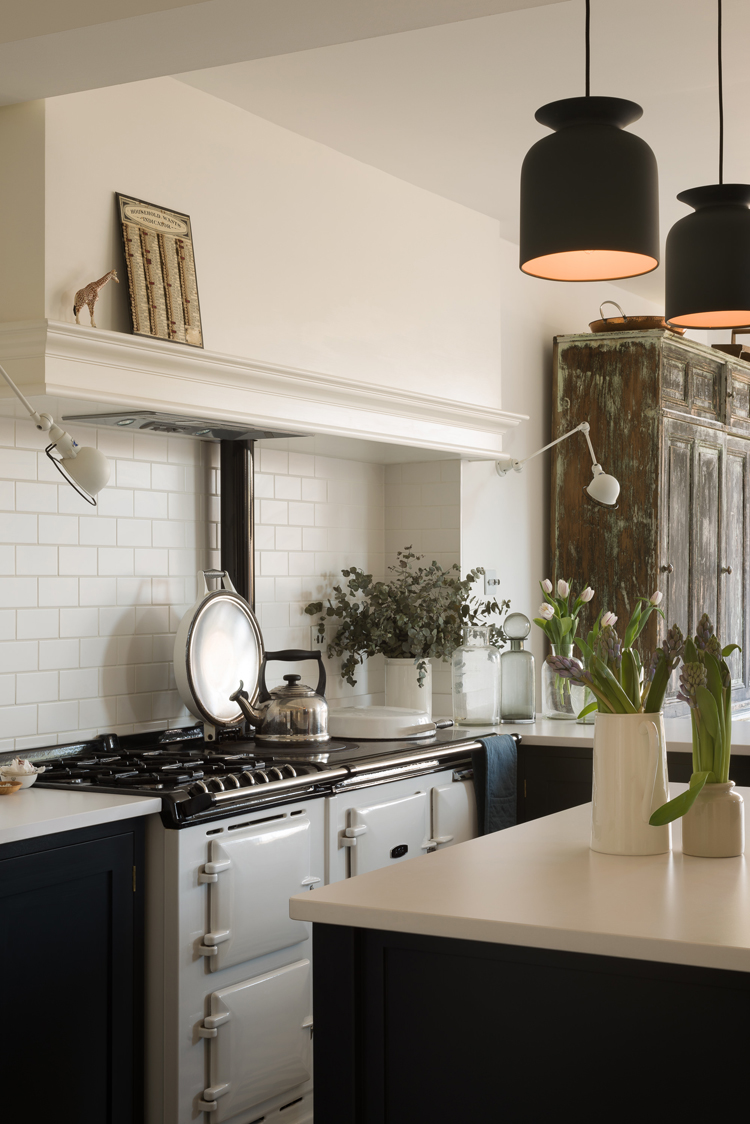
point(682, 803)
point(691, 652)
point(613, 689)
point(729, 649)
point(658, 688)
point(588, 710)
point(709, 711)
point(630, 679)
point(585, 647)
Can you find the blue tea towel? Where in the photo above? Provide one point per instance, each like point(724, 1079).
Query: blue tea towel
point(495, 782)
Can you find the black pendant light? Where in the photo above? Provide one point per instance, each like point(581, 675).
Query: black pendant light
point(589, 192)
point(707, 255)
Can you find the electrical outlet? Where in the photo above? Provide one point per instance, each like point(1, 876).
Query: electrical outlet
point(491, 582)
point(316, 640)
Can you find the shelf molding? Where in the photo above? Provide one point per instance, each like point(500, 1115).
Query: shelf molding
point(90, 365)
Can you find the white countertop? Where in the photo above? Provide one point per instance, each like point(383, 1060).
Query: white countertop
point(546, 731)
point(31, 812)
point(539, 885)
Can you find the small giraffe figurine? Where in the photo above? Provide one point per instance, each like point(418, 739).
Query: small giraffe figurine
point(90, 295)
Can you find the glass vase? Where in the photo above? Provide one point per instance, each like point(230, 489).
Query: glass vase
point(560, 698)
point(475, 679)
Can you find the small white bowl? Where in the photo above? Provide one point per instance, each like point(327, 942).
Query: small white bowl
point(24, 779)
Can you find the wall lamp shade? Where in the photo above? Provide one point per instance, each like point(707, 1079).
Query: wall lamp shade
point(589, 194)
point(707, 259)
point(89, 469)
point(603, 489)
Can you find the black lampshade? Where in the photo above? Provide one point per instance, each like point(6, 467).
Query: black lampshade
point(707, 259)
point(589, 194)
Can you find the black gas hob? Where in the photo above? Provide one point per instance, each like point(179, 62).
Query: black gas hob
point(199, 780)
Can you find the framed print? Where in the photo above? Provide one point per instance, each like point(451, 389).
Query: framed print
point(158, 247)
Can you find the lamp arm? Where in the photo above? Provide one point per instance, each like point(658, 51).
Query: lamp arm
point(508, 462)
point(17, 392)
point(66, 446)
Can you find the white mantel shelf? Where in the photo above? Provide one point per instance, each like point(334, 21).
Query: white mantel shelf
point(111, 369)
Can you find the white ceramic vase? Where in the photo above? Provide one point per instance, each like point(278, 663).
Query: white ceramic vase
point(714, 828)
point(402, 685)
point(630, 783)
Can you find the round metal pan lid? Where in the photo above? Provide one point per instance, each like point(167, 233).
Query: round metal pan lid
point(224, 644)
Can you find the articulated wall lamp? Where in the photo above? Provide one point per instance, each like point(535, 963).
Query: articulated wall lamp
point(603, 489)
point(85, 469)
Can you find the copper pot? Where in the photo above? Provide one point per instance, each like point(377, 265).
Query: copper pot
point(623, 323)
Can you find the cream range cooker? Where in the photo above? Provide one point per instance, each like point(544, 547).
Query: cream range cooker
point(229, 1019)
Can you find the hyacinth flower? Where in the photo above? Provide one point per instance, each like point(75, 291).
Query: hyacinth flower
point(706, 686)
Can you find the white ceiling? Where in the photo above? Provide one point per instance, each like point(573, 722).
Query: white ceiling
point(50, 47)
point(451, 108)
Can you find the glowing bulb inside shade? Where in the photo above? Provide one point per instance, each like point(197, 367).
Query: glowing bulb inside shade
point(589, 265)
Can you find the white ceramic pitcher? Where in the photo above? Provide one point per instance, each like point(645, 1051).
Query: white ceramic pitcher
point(630, 783)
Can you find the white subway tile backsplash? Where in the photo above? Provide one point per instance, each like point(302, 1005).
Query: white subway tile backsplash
point(82, 683)
point(288, 538)
point(7, 695)
point(15, 656)
point(139, 649)
point(54, 654)
point(35, 560)
point(287, 488)
point(98, 651)
point(97, 591)
point(36, 497)
point(7, 495)
point(314, 490)
point(98, 531)
point(116, 502)
point(275, 512)
point(52, 717)
point(15, 528)
point(273, 460)
point(18, 464)
point(168, 477)
point(78, 560)
point(134, 532)
point(79, 622)
point(134, 591)
point(115, 442)
point(58, 591)
point(15, 721)
point(115, 560)
point(301, 464)
point(149, 447)
point(153, 619)
point(8, 559)
point(133, 474)
point(117, 621)
point(18, 591)
point(61, 529)
point(150, 505)
point(37, 624)
point(36, 686)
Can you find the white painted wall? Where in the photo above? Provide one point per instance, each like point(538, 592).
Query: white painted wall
point(505, 523)
point(304, 256)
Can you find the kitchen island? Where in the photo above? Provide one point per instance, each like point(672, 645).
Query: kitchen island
point(515, 974)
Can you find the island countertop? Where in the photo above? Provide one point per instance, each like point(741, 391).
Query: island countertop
point(547, 731)
point(539, 885)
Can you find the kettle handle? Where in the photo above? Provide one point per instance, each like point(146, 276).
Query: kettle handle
point(291, 655)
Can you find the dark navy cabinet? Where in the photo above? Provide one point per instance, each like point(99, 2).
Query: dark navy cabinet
point(71, 949)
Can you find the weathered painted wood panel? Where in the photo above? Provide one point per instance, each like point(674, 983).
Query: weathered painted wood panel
point(670, 418)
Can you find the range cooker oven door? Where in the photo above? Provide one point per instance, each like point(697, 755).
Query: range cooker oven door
point(259, 1040)
point(251, 876)
point(454, 813)
point(387, 831)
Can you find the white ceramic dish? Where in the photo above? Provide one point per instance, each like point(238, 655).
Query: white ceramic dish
point(379, 723)
point(24, 779)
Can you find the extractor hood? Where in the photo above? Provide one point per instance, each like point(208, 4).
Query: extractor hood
point(154, 421)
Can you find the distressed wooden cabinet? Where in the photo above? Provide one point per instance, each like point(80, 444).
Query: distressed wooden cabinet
point(670, 419)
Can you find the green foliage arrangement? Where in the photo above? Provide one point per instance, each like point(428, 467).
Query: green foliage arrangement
point(706, 685)
point(419, 613)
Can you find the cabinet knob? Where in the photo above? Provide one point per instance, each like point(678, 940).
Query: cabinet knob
point(667, 569)
point(726, 569)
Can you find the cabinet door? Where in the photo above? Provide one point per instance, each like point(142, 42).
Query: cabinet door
point(387, 832)
point(676, 554)
point(707, 523)
point(733, 625)
point(67, 944)
point(454, 813)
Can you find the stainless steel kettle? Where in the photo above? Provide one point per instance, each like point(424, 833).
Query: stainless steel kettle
point(291, 715)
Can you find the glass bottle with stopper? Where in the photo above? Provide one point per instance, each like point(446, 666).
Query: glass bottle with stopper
point(517, 673)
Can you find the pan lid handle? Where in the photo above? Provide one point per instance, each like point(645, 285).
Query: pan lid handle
point(226, 581)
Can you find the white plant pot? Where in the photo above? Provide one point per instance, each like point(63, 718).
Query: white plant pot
point(402, 685)
point(714, 828)
point(630, 783)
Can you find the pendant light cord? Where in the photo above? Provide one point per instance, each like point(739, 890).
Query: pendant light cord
point(721, 105)
point(588, 46)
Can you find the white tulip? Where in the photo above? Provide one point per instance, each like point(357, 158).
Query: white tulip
point(608, 618)
point(587, 594)
point(563, 588)
point(655, 598)
point(547, 585)
point(546, 611)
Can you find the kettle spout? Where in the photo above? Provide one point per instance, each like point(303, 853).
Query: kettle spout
point(253, 714)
